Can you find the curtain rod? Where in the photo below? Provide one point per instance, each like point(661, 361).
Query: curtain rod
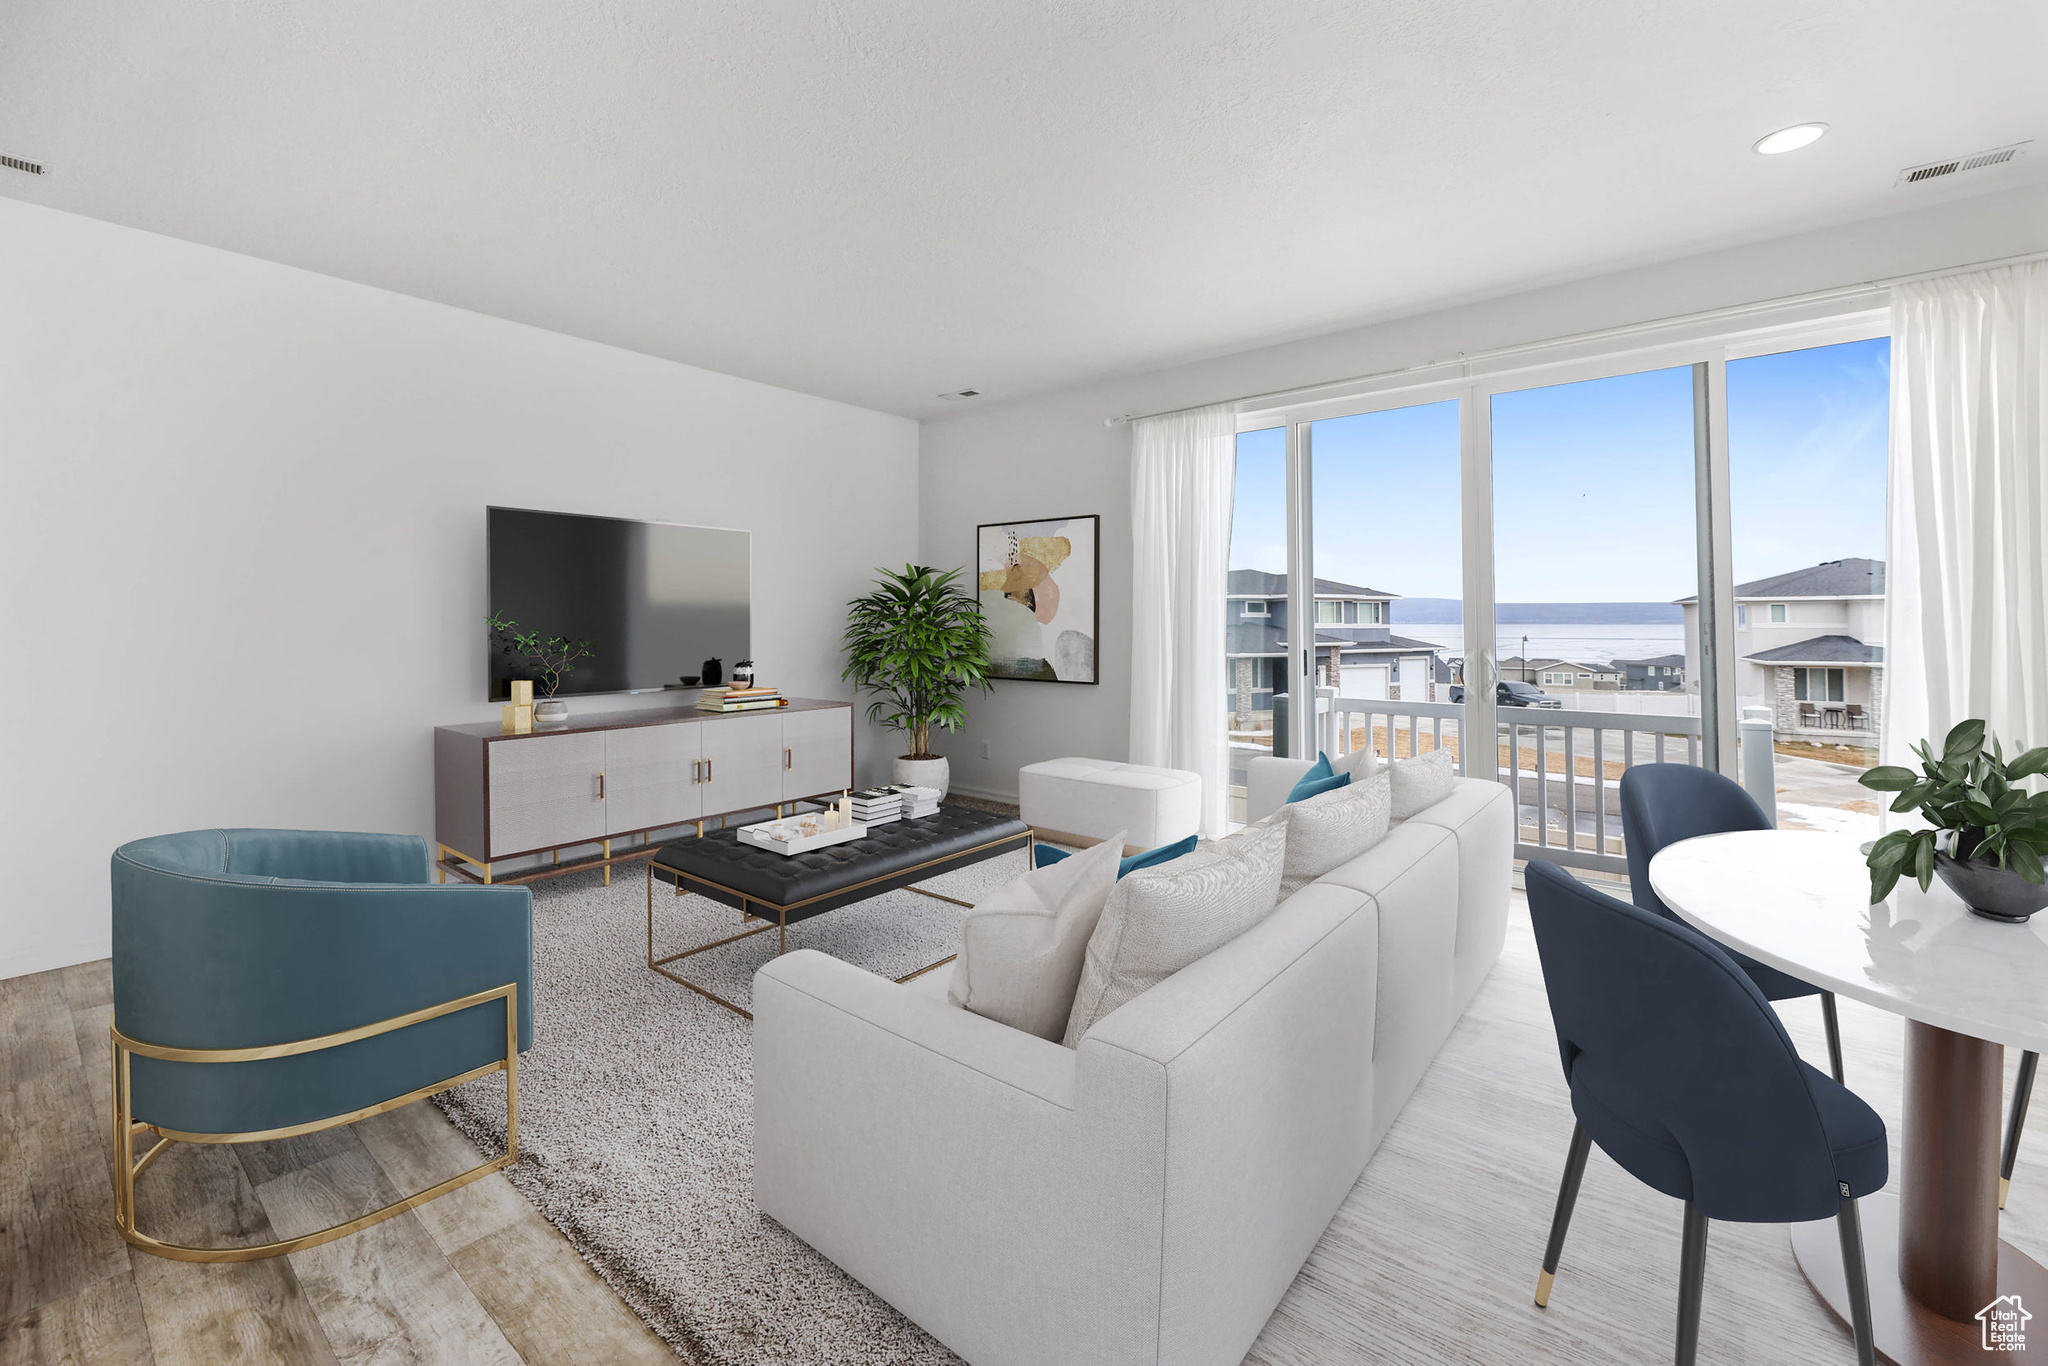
point(1603, 334)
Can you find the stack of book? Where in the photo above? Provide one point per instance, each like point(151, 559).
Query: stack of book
point(919, 801)
point(877, 805)
point(740, 699)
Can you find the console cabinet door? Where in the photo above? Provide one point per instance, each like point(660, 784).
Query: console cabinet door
point(817, 752)
point(743, 755)
point(546, 791)
point(650, 776)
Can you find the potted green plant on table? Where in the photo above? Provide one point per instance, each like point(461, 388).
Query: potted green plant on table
point(1988, 836)
point(917, 643)
point(552, 660)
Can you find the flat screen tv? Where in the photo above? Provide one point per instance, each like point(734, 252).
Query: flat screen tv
point(654, 600)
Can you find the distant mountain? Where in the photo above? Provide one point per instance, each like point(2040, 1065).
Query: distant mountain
point(1451, 612)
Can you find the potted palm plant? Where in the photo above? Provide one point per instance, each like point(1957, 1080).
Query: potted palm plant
point(917, 644)
point(1988, 836)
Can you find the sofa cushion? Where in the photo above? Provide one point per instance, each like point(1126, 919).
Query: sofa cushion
point(1422, 781)
point(1159, 920)
point(1359, 763)
point(1329, 830)
point(1021, 949)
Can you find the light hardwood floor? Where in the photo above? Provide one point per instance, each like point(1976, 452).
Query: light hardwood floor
point(1431, 1259)
point(475, 1277)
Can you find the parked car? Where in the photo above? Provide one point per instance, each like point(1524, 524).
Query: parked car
point(1512, 692)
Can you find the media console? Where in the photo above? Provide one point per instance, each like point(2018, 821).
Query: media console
point(611, 776)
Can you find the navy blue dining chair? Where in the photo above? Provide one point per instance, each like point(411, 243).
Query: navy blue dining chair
point(1683, 1074)
point(1662, 804)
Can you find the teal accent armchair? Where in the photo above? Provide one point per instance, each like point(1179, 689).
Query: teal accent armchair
point(276, 982)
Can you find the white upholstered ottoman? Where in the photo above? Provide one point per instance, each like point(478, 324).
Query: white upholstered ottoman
point(1095, 798)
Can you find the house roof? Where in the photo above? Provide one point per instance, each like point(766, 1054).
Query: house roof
point(1664, 661)
point(1821, 650)
point(1590, 666)
point(1265, 638)
point(1852, 578)
point(1257, 583)
point(1393, 644)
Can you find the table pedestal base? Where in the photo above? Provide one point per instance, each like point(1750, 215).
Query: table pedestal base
point(1908, 1333)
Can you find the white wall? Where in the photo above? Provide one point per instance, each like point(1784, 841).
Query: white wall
point(1051, 455)
point(242, 538)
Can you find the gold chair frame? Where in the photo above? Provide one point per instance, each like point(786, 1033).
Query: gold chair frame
point(127, 1127)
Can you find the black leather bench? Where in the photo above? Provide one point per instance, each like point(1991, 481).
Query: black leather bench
point(785, 889)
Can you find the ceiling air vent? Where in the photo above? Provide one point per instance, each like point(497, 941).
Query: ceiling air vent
point(963, 393)
point(1976, 161)
point(23, 164)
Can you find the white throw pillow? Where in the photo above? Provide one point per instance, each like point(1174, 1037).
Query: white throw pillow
point(1159, 920)
point(1329, 830)
point(1422, 782)
point(1359, 763)
point(1021, 949)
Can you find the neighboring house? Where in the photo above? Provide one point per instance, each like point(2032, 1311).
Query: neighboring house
point(1810, 646)
point(1355, 651)
point(1658, 673)
point(1563, 675)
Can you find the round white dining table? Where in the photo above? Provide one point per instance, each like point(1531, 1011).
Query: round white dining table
point(1968, 988)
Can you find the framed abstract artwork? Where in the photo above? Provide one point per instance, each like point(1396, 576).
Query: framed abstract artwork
point(1040, 587)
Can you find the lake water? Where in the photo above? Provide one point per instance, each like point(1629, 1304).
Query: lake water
point(1595, 643)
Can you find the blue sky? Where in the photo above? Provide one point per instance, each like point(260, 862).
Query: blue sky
point(1593, 483)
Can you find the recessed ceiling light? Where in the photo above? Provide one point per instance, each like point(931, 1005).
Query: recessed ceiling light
point(1790, 139)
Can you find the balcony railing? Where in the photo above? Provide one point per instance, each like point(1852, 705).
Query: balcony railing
point(1564, 766)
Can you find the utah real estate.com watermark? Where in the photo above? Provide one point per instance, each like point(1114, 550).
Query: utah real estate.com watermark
point(2005, 1324)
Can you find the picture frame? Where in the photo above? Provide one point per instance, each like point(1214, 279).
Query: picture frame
point(1039, 583)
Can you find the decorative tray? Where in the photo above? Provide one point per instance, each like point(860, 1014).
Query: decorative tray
point(786, 836)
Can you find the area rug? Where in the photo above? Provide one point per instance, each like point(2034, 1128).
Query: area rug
point(636, 1115)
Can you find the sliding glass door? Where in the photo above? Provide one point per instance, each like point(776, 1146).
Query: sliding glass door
point(1808, 444)
point(1597, 576)
point(1387, 533)
point(1588, 561)
point(1255, 606)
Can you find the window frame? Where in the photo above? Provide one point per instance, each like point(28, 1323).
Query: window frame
point(1705, 342)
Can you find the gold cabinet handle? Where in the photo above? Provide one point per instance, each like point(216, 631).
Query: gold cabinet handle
point(785, 758)
point(600, 787)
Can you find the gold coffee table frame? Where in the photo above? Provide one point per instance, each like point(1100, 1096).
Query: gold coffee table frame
point(780, 923)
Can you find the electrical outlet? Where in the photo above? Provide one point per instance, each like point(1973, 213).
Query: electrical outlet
point(984, 749)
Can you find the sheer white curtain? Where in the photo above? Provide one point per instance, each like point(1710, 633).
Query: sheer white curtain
point(1966, 605)
point(1183, 472)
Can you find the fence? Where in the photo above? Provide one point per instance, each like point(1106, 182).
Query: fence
point(1564, 766)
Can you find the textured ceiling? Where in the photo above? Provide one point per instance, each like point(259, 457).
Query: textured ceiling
point(882, 201)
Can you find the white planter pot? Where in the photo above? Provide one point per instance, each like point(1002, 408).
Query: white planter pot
point(550, 712)
point(922, 773)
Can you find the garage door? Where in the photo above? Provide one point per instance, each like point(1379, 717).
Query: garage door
point(1363, 680)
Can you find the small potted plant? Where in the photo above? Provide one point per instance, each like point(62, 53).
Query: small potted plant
point(552, 660)
point(1988, 835)
point(918, 643)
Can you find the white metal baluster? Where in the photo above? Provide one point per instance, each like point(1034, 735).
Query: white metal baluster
point(1571, 792)
point(1599, 790)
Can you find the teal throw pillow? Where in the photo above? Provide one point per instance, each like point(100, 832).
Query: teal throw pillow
point(1151, 858)
point(1320, 778)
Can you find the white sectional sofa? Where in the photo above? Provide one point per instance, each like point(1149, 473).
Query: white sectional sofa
point(1149, 1196)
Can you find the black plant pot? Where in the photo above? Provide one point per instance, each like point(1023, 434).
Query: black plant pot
point(1991, 891)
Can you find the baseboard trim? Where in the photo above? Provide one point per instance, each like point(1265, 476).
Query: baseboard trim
point(983, 793)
